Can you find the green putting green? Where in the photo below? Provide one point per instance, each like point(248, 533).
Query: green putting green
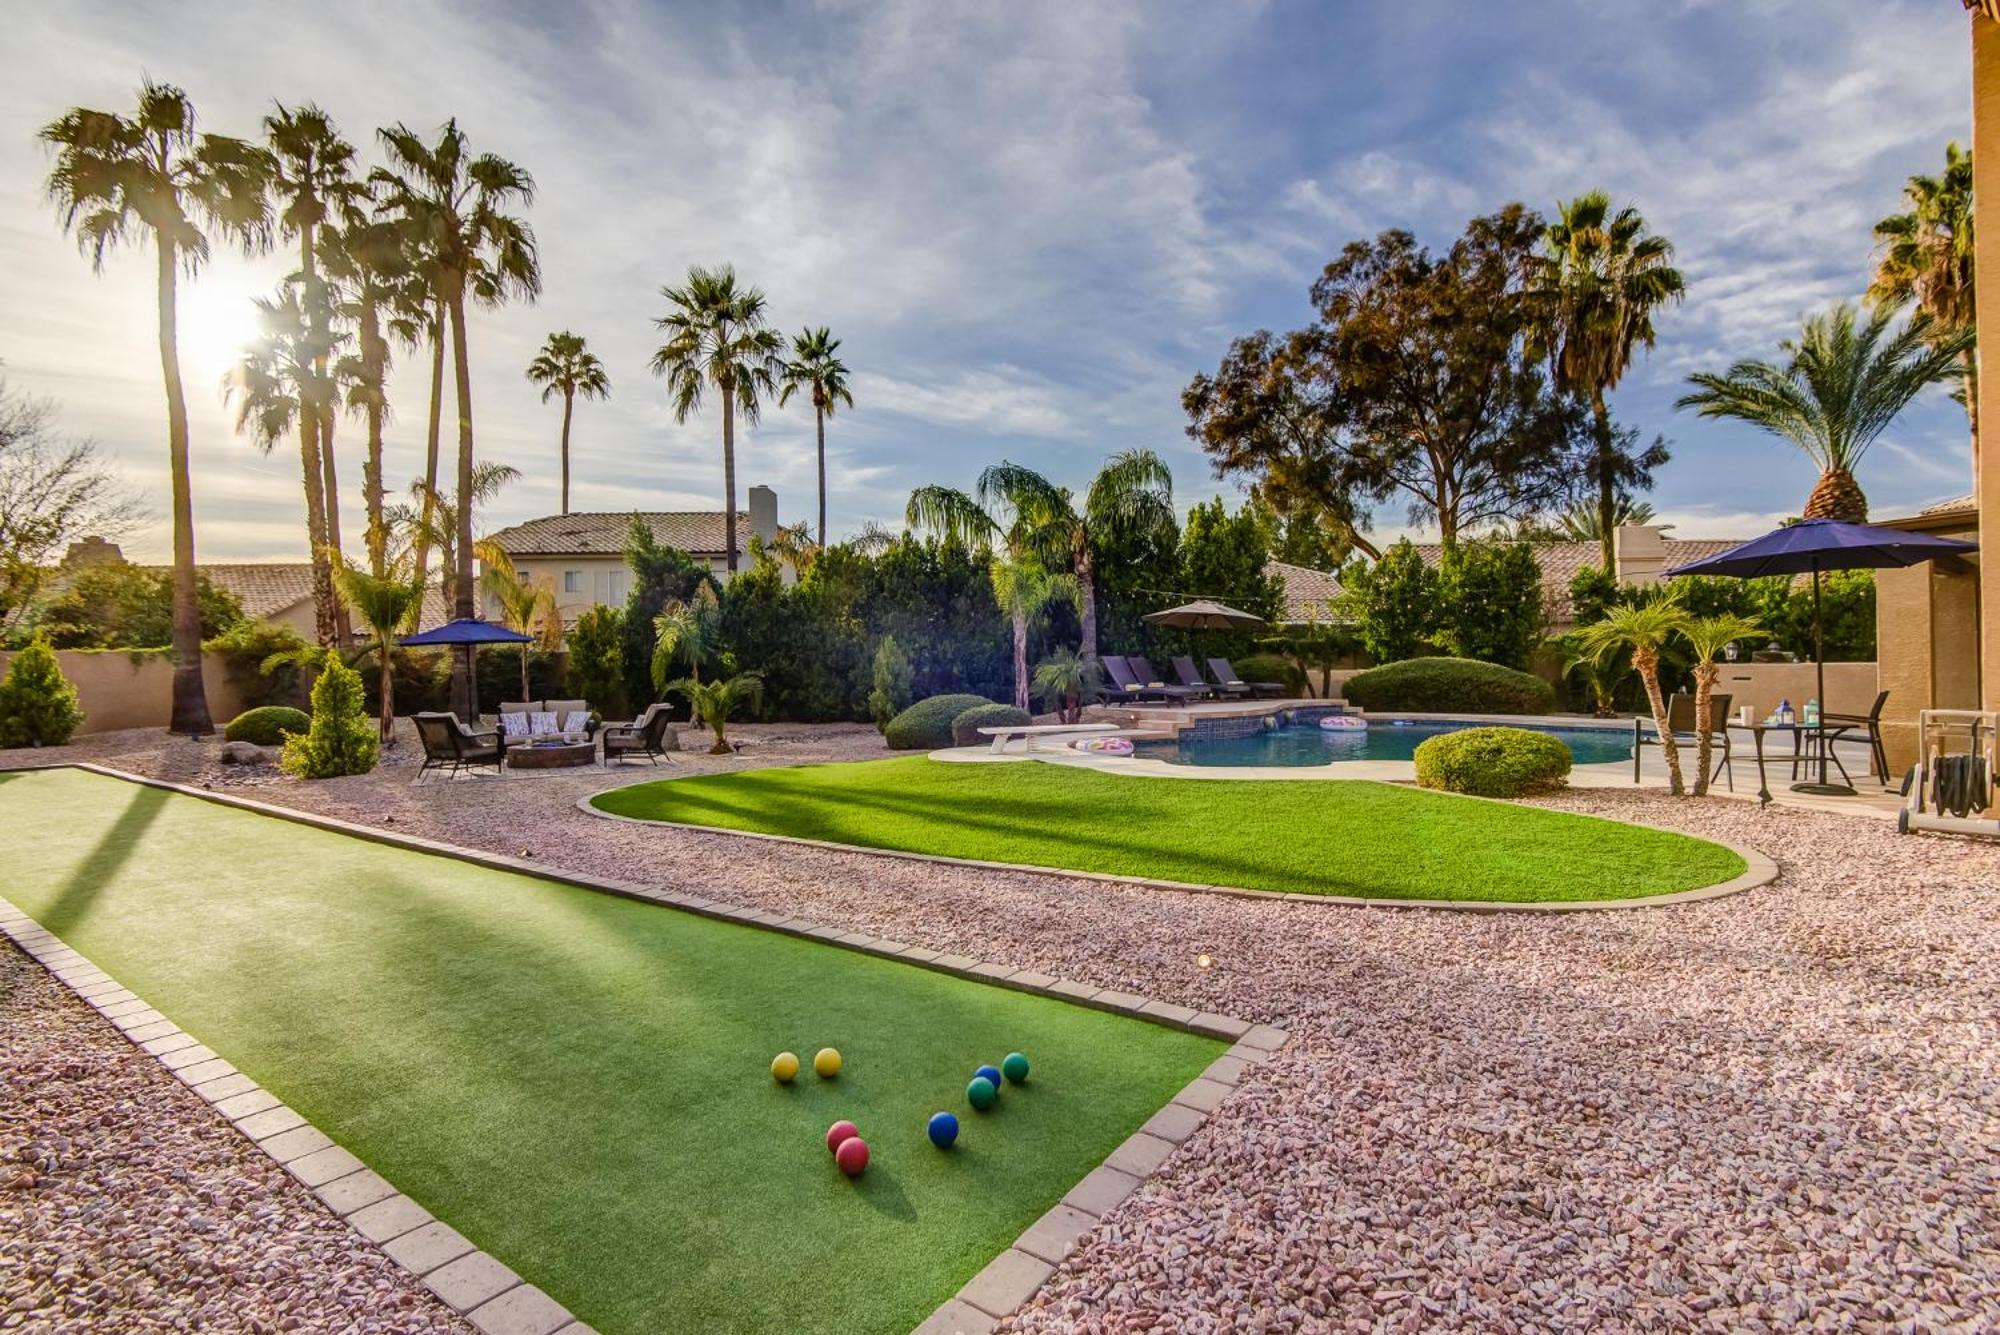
point(1314, 836)
point(578, 1082)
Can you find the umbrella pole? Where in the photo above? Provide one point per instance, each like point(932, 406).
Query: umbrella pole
point(1819, 676)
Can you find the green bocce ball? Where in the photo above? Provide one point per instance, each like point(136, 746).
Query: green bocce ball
point(981, 1094)
point(1015, 1067)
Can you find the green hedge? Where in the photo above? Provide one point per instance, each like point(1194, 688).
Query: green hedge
point(1450, 686)
point(965, 728)
point(1270, 667)
point(267, 726)
point(926, 725)
point(1493, 762)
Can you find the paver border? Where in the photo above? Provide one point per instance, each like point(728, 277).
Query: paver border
point(492, 1296)
point(1758, 870)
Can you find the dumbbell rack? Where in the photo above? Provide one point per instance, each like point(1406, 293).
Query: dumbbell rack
point(1953, 732)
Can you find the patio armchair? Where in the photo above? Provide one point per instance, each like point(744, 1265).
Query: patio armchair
point(451, 746)
point(1871, 723)
point(650, 735)
point(1190, 675)
point(1131, 685)
point(1680, 722)
point(1225, 674)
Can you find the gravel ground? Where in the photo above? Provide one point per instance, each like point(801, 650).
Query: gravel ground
point(1779, 1110)
point(126, 1204)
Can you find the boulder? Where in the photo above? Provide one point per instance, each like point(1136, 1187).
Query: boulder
point(244, 753)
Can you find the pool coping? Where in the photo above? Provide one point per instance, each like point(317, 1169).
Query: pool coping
point(487, 1292)
point(1758, 869)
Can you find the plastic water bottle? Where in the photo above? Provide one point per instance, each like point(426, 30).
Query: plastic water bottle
point(1785, 712)
point(1812, 712)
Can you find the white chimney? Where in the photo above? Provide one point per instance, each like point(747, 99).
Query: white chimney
point(1640, 553)
point(764, 512)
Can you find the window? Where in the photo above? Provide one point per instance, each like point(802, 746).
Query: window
point(617, 587)
point(572, 581)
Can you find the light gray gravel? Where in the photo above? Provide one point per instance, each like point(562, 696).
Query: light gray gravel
point(1779, 1110)
point(128, 1205)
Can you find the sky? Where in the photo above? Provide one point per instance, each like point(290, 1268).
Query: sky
point(1030, 224)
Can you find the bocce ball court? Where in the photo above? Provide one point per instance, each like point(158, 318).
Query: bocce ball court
point(581, 1083)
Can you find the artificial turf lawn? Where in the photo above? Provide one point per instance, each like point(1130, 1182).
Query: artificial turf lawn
point(1314, 836)
point(578, 1082)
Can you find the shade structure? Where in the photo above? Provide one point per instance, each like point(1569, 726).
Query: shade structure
point(465, 631)
point(1815, 545)
point(1203, 614)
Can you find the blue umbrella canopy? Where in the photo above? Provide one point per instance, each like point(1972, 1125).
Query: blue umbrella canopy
point(1825, 544)
point(465, 630)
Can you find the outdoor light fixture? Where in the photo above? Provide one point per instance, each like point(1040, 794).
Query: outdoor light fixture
point(1203, 962)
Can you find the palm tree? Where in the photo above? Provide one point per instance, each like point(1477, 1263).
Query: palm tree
point(1926, 260)
point(124, 179)
point(716, 336)
point(682, 633)
point(367, 271)
point(1066, 682)
point(814, 367)
point(1584, 521)
point(386, 604)
point(454, 206)
point(564, 366)
point(1023, 586)
point(432, 522)
point(1133, 494)
point(526, 607)
point(1708, 636)
point(1644, 628)
point(1600, 277)
point(312, 181)
point(277, 386)
point(1841, 385)
point(715, 701)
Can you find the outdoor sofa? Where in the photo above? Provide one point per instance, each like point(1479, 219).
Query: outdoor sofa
point(542, 720)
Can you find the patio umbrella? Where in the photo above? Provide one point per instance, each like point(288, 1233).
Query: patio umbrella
point(464, 634)
point(1811, 546)
point(1203, 614)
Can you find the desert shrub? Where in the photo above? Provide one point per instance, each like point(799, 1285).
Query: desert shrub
point(1272, 667)
point(1490, 597)
point(261, 660)
point(38, 705)
point(1493, 762)
point(341, 738)
point(965, 728)
point(1450, 686)
point(893, 682)
point(597, 660)
point(926, 725)
point(1393, 602)
point(267, 725)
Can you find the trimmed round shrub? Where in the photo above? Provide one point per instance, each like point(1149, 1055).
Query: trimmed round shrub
point(926, 725)
point(1493, 762)
point(965, 728)
point(267, 726)
point(1450, 686)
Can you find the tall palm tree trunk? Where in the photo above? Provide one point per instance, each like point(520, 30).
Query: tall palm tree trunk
point(1971, 359)
point(464, 691)
point(819, 425)
point(525, 690)
point(569, 405)
point(386, 690)
point(374, 355)
point(729, 475)
point(423, 543)
point(1086, 576)
point(1705, 677)
point(324, 625)
point(1607, 494)
point(189, 713)
point(1020, 658)
point(322, 413)
point(1647, 662)
point(330, 487)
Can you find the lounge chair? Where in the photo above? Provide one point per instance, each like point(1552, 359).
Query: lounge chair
point(1680, 720)
point(1136, 683)
point(650, 735)
point(1152, 676)
point(1225, 676)
point(451, 746)
point(1871, 723)
point(1190, 675)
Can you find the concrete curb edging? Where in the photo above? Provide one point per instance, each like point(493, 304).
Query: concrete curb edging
point(492, 1296)
point(1758, 870)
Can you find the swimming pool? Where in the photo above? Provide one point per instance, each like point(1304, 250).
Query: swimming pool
point(1383, 739)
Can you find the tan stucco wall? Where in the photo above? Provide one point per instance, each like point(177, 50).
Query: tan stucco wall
point(118, 691)
point(1850, 687)
point(1927, 642)
point(1986, 262)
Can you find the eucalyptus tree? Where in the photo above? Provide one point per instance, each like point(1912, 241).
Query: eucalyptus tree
point(277, 388)
point(1132, 496)
point(122, 179)
point(1843, 381)
point(816, 368)
point(455, 209)
point(1598, 280)
point(717, 336)
point(1926, 261)
point(567, 366)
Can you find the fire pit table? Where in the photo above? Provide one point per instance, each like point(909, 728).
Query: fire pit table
point(552, 755)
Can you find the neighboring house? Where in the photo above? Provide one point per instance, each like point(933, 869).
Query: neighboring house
point(1643, 554)
point(582, 556)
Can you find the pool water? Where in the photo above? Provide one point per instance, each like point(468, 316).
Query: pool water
point(1383, 739)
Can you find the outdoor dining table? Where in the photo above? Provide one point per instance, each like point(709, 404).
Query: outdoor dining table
point(1809, 742)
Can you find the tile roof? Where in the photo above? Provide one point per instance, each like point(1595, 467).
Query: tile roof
point(1307, 591)
point(266, 588)
point(1951, 506)
point(699, 532)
